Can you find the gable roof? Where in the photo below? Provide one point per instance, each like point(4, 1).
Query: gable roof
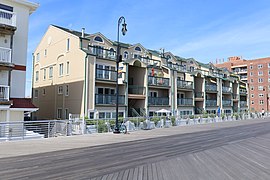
point(76, 33)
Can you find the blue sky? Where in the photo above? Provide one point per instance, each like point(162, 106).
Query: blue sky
point(203, 29)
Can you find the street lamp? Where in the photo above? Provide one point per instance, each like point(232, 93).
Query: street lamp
point(267, 99)
point(118, 59)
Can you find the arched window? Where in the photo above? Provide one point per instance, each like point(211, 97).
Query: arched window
point(138, 48)
point(98, 39)
point(169, 57)
point(126, 55)
point(111, 53)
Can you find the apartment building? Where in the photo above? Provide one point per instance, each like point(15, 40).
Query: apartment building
point(75, 72)
point(14, 17)
point(256, 72)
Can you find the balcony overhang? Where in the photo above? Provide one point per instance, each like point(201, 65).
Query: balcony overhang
point(7, 30)
point(136, 96)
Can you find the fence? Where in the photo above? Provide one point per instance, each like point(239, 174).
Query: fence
point(53, 128)
point(38, 129)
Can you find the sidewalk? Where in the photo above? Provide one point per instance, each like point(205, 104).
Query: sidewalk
point(26, 147)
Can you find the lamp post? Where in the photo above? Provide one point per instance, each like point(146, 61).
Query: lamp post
point(118, 59)
point(267, 99)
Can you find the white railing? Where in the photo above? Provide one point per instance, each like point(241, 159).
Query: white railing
point(7, 18)
point(5, 55)
point(21, 130)
point(4, 93)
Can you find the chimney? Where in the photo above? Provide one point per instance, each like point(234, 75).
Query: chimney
point(83, 29)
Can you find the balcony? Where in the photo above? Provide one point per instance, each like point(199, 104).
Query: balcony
point(105, 74)
point(243, 91)
point(5, 55)
point(227, 103)
point(243, 103)
point(4, 93)
point(158, 101)
point(211, 103)
point(226, 89)
point(133, 89)
point(100, 52)
point(184, 101)
point(210, 88)
point(158, 81)
point(109, 99)
point(7, 18)
point(184, 84)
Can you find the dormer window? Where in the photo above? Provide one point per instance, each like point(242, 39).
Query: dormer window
point(98, 39)
point(138, 49)
point(168, 58)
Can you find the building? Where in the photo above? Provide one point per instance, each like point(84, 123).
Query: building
point(256, 73)
point(75, 73)
point(14, 17)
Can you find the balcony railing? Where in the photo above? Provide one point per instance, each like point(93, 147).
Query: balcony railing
point(4, 93)
point(133, 89)
point(109, 99)
point(226, 102)
point(211, 103)
point(158, 81)
point(198, 94)
point(184, 84)
point(226, 89)
point(105, 74)
point(102, 53)
point(158, 101)
point(184, 101)
point(243, 91)
point(211, 87)
point(243, 103)
point(7, 18)
point(5, 53)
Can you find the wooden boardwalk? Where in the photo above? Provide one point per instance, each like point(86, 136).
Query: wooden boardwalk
point(241, 152)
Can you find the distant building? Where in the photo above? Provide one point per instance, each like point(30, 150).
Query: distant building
point(148, 80)
point(256, 72)
point(14, 17)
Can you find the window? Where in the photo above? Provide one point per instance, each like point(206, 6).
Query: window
point(66, 114)
point(260, 80)
point(260, 73)
point(36, 93)
point(261, 102)
point(169, 57)
point(37, 75)
point(60, 89)
point(260, 66)
point(252, 102)
point(153, 94)
point(268, 79)
point(98, 50)
point(252, 95)
point(98, 39)
point(67, 91)
point(251, 88)
point(43, 91)
point(44, 74)
point(45, 52)
point(37, 57)
point(67, 68)
point(126, 55)
point(91, 115)
point(61, 69)
point(251, 80)
point(251, 67)
point(138, 49)
point(268, 72)
point(268, 65)
point(68, 44)
point(251, 73)
point(59, 113)
point(260, 88)
point(260, 95)
point(111, 53)
point(50, 72)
